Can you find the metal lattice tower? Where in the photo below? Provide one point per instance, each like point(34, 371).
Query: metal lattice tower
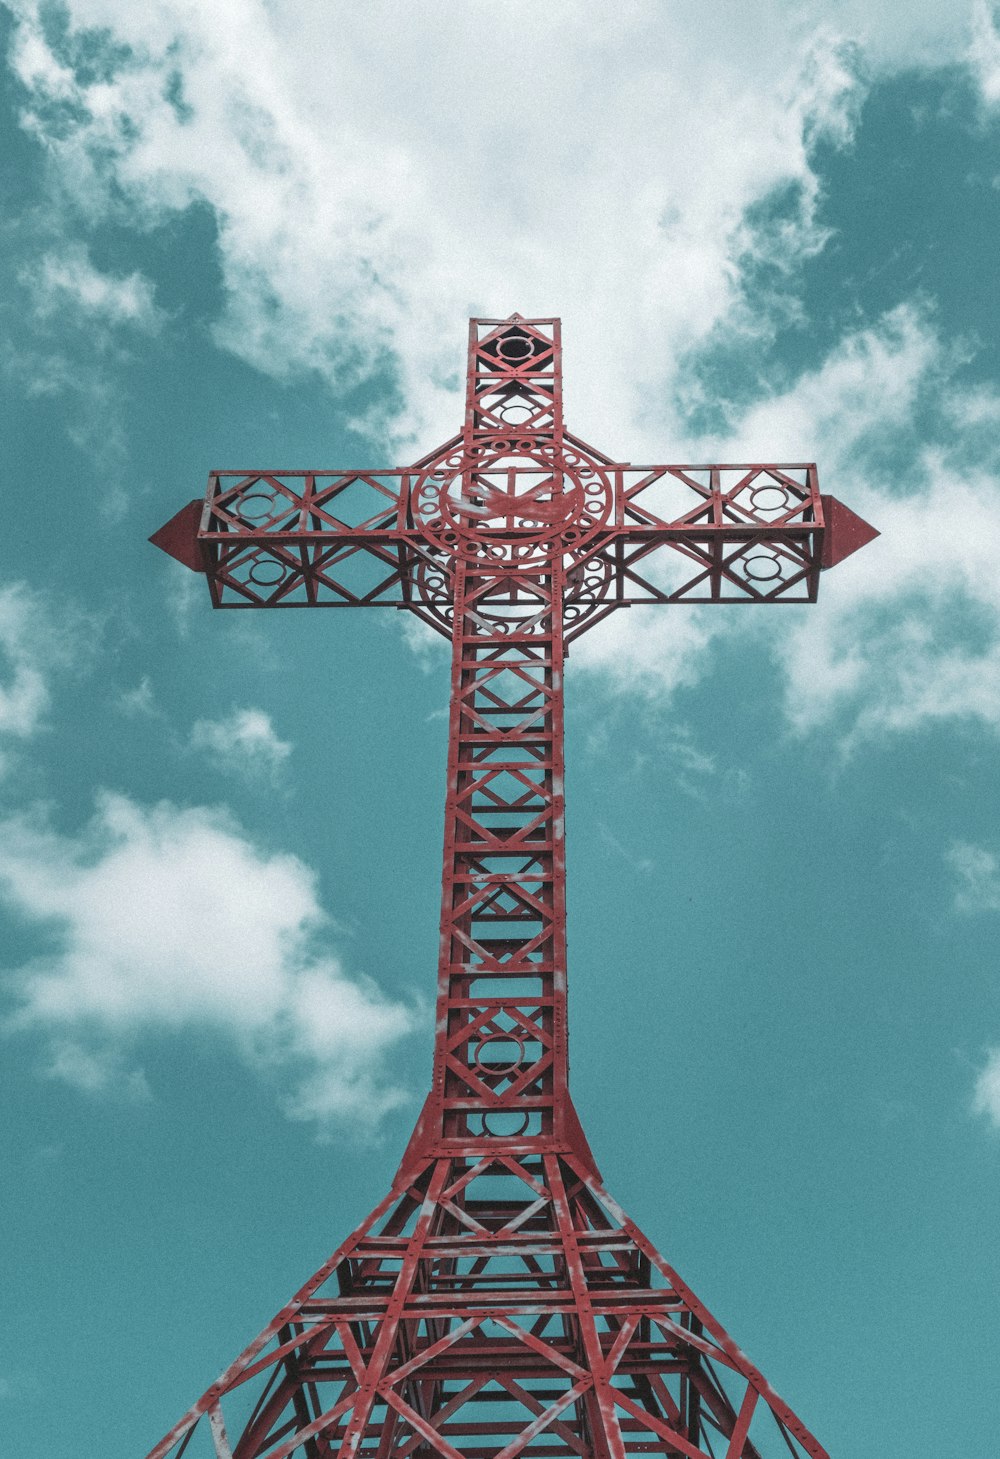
point(498, 1302)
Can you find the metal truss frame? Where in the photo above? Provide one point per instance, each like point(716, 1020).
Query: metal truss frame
point(498, 1303)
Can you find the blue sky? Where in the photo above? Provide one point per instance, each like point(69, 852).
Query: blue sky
point(253, 237)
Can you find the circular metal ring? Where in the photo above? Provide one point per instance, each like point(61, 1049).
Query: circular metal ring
point(506, 344)
point(521, 501)
point(498, 1070)
point(769, 490)
point(515, 413)
point(255, 514)
point(267, 572)
point(492, 1114)
point(760, 576)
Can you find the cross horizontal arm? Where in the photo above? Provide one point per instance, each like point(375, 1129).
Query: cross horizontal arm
point(756, 533)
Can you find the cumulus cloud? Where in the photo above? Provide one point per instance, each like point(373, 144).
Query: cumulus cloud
point(35, 642)
point(66, 282)
point(139, 702)
point(977, 890)
point(636, 181)
point(977, 873)
point(908, 631)
point(650, 651)
point(986, 1099)
point(24, 694)
point(244, 742)
point(99, 1071)
point(984, 51)
point(162, 919)
point(604, 164)
point(357, 232)
point(868, 386)
point(71, 331)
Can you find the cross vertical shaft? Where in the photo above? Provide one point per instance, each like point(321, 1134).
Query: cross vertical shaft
point(500, 1067)
point(500, 1056)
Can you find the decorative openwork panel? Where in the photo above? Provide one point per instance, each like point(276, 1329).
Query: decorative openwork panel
point(513, 386)
point(498, 1303)
point(741, 534)
point(500, 1069)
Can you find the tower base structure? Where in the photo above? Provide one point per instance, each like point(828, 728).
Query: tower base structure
point(497, 1303)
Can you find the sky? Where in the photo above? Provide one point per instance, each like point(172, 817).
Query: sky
point(250, 234)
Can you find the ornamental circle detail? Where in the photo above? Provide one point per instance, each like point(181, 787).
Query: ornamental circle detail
point(516, 508)
point(433, 588)
point(769, 498)
point(515, 347)
point(762, 567)
point(266, 572)
point(515, 413)
point(508, 1064)
point(506, 1124)
point(256, 507)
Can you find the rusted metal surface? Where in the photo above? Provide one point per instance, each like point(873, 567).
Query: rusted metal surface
point(498, 1303)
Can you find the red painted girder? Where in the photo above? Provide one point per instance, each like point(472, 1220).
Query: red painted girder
point(356, 1351)
point(821, 526)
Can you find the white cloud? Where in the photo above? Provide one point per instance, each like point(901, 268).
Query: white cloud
point(36, 642)
point(986, 1099)
point(907, 636)
point(866, 387)
point(185, 596)
point(67, 283)
point(984, 51)
point(375, 178)
point(73, 329)
point(650, 651)
point(101, 1071)
point(244, 742)
point(24, 694)
point(373, 185)
point(140, 701)
point(163, 919)
point(641, 864)
point(908, 631)
point(978, 874)
point(40, 356)
point(428, 646)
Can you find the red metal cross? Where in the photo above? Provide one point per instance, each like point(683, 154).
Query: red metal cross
point(499, 1303)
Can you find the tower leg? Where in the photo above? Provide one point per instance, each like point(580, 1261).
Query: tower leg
point(493, 1306)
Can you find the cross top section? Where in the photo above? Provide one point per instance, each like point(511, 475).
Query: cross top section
point(512, 492)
